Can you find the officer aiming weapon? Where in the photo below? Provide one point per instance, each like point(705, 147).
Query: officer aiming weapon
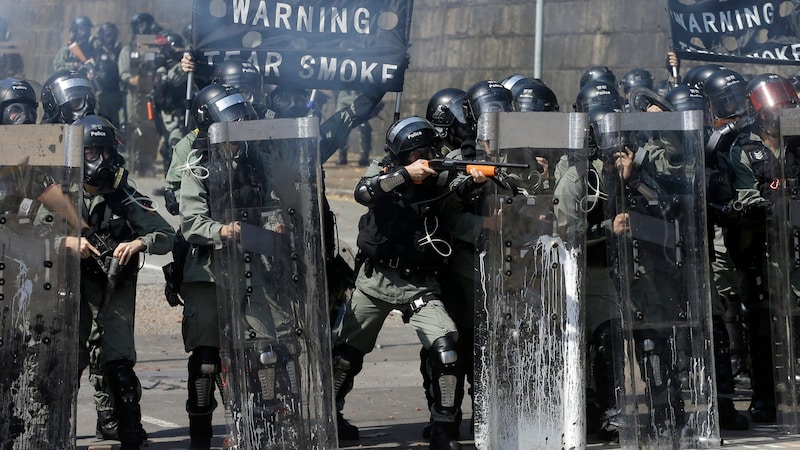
point(496, 171)
point(488, 169)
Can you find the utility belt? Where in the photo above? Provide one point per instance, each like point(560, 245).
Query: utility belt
point(406, 269)
point(415, 305)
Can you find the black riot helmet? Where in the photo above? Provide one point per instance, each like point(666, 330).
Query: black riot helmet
point(697, 76)
point(515, 83)
point(597, 93)
point(598, 73)
point(686, 98)
point(144, 23)
point(102, 164)
point(486, 96)
point(444, 107)
point(17, 102)
point(171, 46)
point(725, 92)
point(81, 29)
point(536, 97)
point(108, 33)
point(220, 103)
point(446, 113)
point(767, 94)
point(637, 77)
point(243, 75)
point(66, 97)
point(290, 102)
point(411, 133)
point(769, 90)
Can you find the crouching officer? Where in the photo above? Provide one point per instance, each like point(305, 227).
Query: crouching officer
point(401, 251)
point(121, 224)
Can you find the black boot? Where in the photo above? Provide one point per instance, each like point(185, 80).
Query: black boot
point(762, 411)
point(203, 367)
point(347, 431)
point(444, 436)
point(426, 385)
point(200, 432)
point(347, 362)
point(125, 387)
point(729, 417)
point(106, 426)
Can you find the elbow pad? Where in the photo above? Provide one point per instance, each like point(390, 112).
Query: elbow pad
point(370, 189)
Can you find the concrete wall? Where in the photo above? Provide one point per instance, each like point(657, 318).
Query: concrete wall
point(455, 43)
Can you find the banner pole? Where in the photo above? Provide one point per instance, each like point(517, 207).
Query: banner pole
point(397, 106)
point(311, 98)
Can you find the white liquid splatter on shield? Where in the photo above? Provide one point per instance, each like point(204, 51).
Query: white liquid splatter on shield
point(531, 378)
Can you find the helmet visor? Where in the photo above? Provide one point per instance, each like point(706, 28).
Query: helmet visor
point(455, 105)
point(71, 88)
point(232, 108)
point(728, 102)
point(493, 101)
point(777, 94)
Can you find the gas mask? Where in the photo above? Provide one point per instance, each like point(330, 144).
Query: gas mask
point(18, 114)
point(103, 169)
point(290, 104)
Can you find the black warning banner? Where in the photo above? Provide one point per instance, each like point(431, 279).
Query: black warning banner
point(330, 44)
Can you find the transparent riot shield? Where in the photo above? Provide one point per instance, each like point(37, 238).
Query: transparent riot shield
point(529, 320)
point(39, 304)
point(276, 333)
point(656, 224)
point(783, 240)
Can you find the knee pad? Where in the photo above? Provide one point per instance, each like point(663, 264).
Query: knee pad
point(272, 370)
point(347, 363)
point(123, 381)
point(447, 376)
point(204, 366)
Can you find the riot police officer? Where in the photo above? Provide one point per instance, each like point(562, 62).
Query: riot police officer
point(201, 328)
point(755, 160)
point(240, 74)
point(17, 102)
point(726, 118)
point(78, 54)
point(121, 224)
point(136, 70)
point(596, 93)
point(106, 73)
point(66, 97)
point(446, 114)
point(168, 95)
point(399, 273)
point(725, 289)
